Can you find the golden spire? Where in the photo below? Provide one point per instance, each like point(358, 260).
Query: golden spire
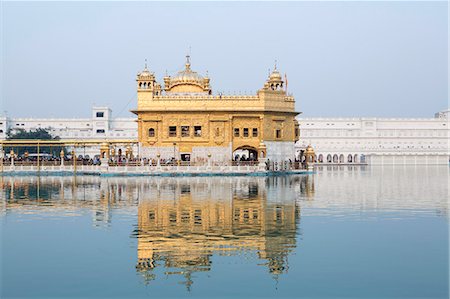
point(188, 62)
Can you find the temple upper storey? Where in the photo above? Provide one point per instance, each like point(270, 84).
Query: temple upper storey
point(190, 91)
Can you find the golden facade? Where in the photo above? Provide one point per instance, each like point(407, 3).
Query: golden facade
point(186, 121)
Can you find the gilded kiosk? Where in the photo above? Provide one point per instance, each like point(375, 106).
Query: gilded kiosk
point(185, 121)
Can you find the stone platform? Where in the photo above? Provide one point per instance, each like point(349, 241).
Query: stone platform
point(244, 170)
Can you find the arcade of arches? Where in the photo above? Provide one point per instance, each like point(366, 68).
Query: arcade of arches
point(337, 158)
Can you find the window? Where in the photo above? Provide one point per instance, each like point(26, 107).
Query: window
point(151, 132)
point(278, 133)
point(245, 132)
point(255, 132)
point(217, 132)
point(100, 131)
point(100, 114)
point(236, 132)
point(197, 131)
point(172, 131)
point(185, 132)
point(1, 131)
point(297, 131)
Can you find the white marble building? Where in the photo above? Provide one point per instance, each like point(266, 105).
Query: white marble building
point(335, 140)
point(100, 126)
point(377, 140)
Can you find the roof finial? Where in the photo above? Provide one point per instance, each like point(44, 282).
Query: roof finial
point(145, 63)
point(275, 65)
point(188, 62)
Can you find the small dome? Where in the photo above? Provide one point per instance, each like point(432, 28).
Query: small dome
point(186, 81)
point(187, 76)
point(309, 150)
point(145, 72)
point(275, 75)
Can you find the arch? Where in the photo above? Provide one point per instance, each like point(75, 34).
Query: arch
point(144, 86)
point(350, 158)
point(329, 158)
point(355, 158)
point(151, 132)
point(140, 84)
point(341, 158)
point(320, 158)
point(335, 158)
point(245, 153)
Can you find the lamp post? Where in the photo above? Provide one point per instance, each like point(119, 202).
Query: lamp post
point(174, 144)
point(11, 154)
point(61, 155)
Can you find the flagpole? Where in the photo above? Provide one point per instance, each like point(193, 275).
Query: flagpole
point(286, 86)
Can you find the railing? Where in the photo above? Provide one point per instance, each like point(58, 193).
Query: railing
point(145, 165)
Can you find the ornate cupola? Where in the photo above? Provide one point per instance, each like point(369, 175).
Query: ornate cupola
point(274, 82)
point(187, 81)
point(146, 80)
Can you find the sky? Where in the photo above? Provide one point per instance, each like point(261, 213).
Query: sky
point(380, 59)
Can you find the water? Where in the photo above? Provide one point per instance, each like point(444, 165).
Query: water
point(343, 232)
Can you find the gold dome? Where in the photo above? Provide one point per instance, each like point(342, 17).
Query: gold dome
point(145, 73)
point(309, 150)
point(186, 80)
point(275, 75)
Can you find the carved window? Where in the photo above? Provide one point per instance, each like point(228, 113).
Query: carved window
point(185, 132)
point(197, 131)
point(100, 114)
point(245, 132)
point(236, 132)
point(151, 132)
point(278, 133)
point(217, 132)
point(172, 131)
point(255, 132)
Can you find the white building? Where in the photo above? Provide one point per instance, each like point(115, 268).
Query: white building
point(335, 140)
point(377, 140)
point(101, 125)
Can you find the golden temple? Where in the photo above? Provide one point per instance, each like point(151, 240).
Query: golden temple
point(185, 121)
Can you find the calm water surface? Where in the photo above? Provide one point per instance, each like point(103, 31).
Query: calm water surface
point(340, 233)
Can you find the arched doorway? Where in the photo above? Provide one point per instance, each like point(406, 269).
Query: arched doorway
point(355, 158)
point(335, 158)
point(341, 158)
point(245, 153)
point(329, 158)
point(350, 158)
point(320, 158)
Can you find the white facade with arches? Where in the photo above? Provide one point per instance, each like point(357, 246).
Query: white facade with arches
point(377, 140)
point(101, 125)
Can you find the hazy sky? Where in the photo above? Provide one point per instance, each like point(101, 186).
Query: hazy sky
point(341, 58)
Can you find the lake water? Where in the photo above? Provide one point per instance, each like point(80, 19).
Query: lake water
point(343, 232)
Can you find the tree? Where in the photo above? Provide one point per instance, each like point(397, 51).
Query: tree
point(38, 134)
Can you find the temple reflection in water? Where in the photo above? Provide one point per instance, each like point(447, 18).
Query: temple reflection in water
point(181, 225)
point(182, 222)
